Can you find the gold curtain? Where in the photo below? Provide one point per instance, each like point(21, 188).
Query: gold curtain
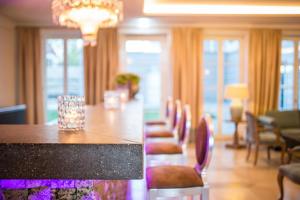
point(101, 65)
point(30, 73)
point(186, 61)
point(264, 69)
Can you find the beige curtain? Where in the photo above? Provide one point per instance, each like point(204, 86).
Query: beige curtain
point(101, 65)
point(264, 69)
point(30, 73)
point(186, 61)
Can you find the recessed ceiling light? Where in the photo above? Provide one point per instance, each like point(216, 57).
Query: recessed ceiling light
point(153, 8)
point(144, 22)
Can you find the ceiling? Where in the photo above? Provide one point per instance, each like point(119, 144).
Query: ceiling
point(38, 13)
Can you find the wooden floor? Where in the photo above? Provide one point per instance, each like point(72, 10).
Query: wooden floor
point(232, 178)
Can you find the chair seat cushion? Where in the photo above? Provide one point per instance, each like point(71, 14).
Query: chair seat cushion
point(292, 171)
point(163, 148)
point(153, 123)
point(267, 137)
point(291, 131)
point(163, 177)
point(156, 134)
point(291, 137)
point(157, 127)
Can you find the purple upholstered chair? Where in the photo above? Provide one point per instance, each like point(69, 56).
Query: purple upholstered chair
point(163, 132)
point(169, 107)
point(169, 152)
point(176, 181)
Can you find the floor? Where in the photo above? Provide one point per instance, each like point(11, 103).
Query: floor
point(232, 178)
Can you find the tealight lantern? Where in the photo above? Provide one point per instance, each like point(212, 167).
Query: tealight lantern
point(124, 95)
point(111, 99)
point(71, 113)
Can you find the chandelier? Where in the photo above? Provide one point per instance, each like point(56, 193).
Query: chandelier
point(88, 15)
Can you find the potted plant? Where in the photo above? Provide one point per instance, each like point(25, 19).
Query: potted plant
point(128, 81)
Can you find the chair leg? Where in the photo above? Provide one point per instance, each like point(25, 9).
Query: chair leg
point(256, 153)
point(268, 152)
point(283, 149)
point(280, 184)
point(195, 197)
point(150, 195)
point(290, 156)
point(248, 151)
point(205, 193)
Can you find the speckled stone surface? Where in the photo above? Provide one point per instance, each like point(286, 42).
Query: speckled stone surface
point(50, 161)
point(110, 148)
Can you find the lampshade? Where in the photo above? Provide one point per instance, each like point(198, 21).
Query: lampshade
point(236, 91)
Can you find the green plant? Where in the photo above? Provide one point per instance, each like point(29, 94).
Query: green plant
point(125, 78)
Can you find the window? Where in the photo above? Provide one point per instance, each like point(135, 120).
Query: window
point(145, 55)
point(222, 60)
point(63, 62)
point(289, 74)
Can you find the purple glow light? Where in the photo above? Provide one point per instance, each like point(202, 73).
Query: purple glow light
point(49, 189)
point(51, 183)
point(45, 189)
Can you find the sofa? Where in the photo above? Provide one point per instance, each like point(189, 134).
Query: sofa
point(287, 123)
point(13, 114)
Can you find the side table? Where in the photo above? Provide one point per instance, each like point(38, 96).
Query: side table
point(235, 144)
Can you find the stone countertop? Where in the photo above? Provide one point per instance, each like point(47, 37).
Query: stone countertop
point(122, 126)
point(110, 147)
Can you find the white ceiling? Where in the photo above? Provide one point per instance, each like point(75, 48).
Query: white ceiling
point(38, 12)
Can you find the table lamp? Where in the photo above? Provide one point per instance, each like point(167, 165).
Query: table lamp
point(237, 93)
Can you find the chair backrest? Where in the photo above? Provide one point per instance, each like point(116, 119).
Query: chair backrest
point(176, 114)
point(184, 125)
point(251, 132)
point(204, 143)
point(169, 107)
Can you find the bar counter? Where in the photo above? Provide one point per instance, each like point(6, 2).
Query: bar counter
point(110, 147)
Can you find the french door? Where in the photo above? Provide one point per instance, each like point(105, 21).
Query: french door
point(223, 59)
point(146, 56)
point(63, 69)
point(289, 95)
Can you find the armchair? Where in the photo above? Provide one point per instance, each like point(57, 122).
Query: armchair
point(258, 135)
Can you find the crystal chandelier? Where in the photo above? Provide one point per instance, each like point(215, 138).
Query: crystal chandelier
point(88, 15)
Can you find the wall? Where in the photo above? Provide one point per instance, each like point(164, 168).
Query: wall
point(7, 62)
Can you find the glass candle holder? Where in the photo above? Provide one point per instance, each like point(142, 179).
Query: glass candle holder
point(124, 95)
point(71, 113)
point(111, 99)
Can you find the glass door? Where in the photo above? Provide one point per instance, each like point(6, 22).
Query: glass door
point(287, 75)
point(64, 71)
point(289, 95)
point(146, 57)
point(222, 66)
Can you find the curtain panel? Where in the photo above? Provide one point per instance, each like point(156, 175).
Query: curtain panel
point(101, 65)
point(30, 73)
point(186, 62)
point(264, 69)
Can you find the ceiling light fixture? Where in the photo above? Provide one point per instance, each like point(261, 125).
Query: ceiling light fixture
point(88, 15)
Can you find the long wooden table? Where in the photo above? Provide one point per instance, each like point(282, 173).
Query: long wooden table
point(110, 147)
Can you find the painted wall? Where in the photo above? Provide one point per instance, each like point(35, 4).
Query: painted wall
point(7, 62)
